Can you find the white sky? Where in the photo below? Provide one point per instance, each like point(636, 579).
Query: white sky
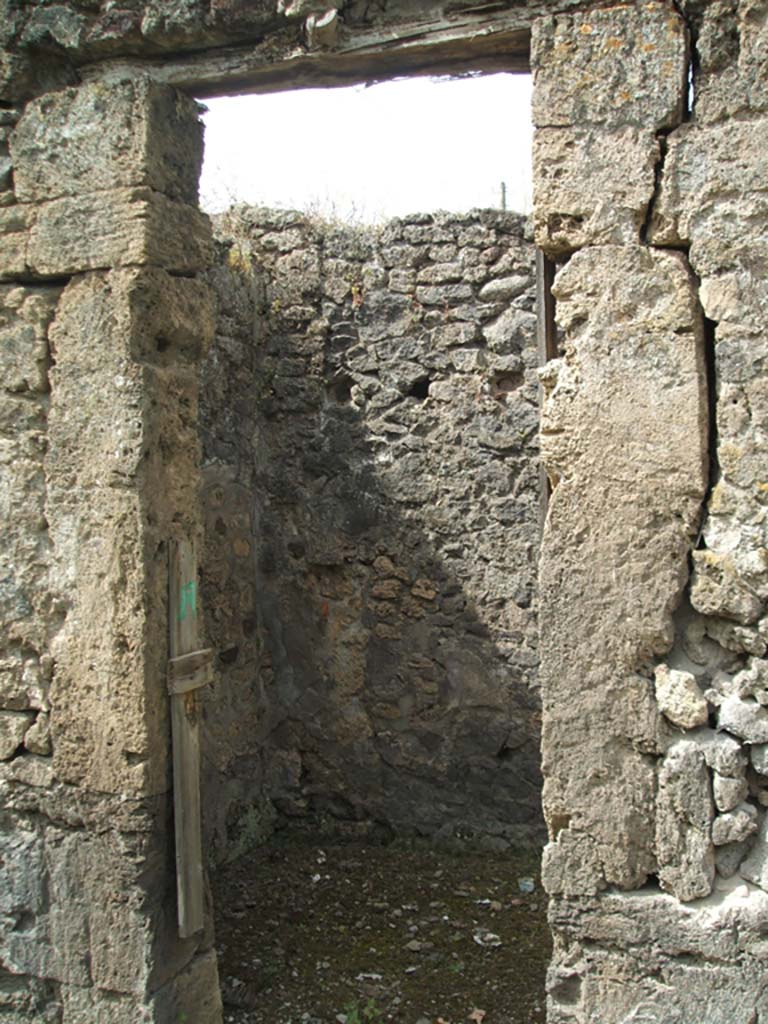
point(416, 145)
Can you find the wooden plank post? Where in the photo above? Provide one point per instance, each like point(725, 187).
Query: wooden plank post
point(188, 670)
point(546, 340)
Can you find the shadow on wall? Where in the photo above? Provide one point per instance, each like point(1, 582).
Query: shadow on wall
point(369, 417)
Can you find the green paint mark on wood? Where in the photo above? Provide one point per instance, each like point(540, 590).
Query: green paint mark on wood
point(187, 600)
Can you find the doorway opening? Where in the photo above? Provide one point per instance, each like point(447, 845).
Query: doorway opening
point(369, 414)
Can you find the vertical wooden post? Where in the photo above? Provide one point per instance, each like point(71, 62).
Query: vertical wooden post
point(189, 669)
point(546, 340)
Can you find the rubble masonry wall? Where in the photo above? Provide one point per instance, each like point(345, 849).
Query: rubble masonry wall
point(369, 417)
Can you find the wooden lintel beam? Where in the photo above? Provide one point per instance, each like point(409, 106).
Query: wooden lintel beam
point(497, 45)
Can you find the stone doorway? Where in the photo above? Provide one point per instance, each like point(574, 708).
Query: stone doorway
point(370, 482)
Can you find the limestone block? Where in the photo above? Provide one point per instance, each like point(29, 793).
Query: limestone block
point(736, 638)
point(612, 563)
point(621, 989)
point(734, 826)
point(101, 137)
point(24, 555)
point(593, 67)
point(89, 902)
point(172, 318)
point(722, 753)
point(13, 725)
point(717, 590)
point(22, 683)
point(684, 816)
point(37, 738)
point(758, 755)
point(571, 866)
point(24, 317)
point(728, 858)
point(755, 867)
point(712, 200)
point(680, 699)
point(118, 228)
point(511, 333)
point(122, 476)
point(744, 718)
point(732, 48)
point(13, 250)
point(753, 681)
point(728, 791)
point(591, 187)
point(502, 289)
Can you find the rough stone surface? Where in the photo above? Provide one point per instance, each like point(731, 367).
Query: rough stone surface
point(728, 792)
point(372, 524)
point(684, 816)
point(758, 754)
point(596, 147)
point(613, 567)
point(620, 170)
point(728, 858)
point(744, 718)
point(755, 867)
point(644, 957)
point(99, 452)
point(79, 141)
point(680, 699)
point(722, 752)
point(124, 227)
point(593, 66)
point(610, 79)
point(13, 726)
point(731, 45)
point(734, 826)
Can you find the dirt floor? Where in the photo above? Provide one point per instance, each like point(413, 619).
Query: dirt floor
point(343, 933)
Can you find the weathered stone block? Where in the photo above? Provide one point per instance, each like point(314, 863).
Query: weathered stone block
point(592, 187)
point(122, 433)
point(593, 67)
point(758, 755)
point(729, 857)
point(172, 318)
point(709, 199)
point(37, 739)
point(24, 317)
point(612, 563)
point(116, 229)
point(684, 812)
point(13, 726)
point(100, 137)
point(722, 752)
point(24, 596)
point(744, 718)
point(680, 699)
point(732, 48)
point(755, 867)
point(728, 792)
point(717, 590)
point(734, 826)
